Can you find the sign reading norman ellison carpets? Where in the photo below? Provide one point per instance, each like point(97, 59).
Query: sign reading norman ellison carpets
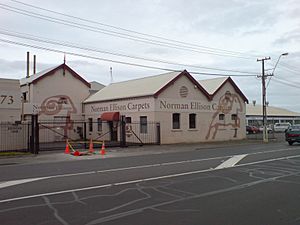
point(146, 105)
point(187, 105)
point(139, 105)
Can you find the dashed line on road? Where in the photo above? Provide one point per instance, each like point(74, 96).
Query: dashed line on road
point(5, 184)
point(141, 180)
point(22, 181)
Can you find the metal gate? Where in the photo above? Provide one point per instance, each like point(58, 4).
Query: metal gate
point(53, 134)
point(33, 136)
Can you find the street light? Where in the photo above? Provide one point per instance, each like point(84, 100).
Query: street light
point(272, 74)
point(265, 132)
point(283, 54)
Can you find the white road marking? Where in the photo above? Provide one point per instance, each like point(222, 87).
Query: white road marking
point(105, 185)
point(15, 182)
point(22, 181)
point(231, 162)
point(141, 180)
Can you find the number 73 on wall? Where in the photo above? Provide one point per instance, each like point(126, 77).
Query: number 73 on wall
point(6, 99)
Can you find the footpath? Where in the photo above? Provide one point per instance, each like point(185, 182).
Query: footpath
point(58, 156)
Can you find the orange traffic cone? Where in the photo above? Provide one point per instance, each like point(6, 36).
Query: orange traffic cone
point(91, 147)
point(67, 150)
point(102, 152)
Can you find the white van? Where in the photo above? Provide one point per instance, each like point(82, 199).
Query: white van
point(281, 127)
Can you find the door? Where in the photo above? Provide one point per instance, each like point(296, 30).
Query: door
point(113, 128)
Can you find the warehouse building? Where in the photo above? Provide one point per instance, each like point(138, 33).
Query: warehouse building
point(56, 95)
point(185, 109)
point(274, 115)
point(166, 108)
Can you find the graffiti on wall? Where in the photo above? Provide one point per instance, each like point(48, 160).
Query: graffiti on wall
point(57, 104)
point(229, 104)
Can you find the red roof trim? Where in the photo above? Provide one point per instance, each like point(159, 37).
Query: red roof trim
point(184, 73)
point(65, 67)
point(236, 88)
point(110, 116)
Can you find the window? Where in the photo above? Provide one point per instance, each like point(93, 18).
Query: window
point(233, 117)
point(176, 120)
point(24, 96)
point(99, 124)
point(192, 121)
point(221, 117)
point(128, 119)
point(90, 124)
point(143, 124)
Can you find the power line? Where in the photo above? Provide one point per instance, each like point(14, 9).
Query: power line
point(287, 83)
point(73, 45)
point(127, 30)
point(115, 34)
point(116, 61)
point(288, 68)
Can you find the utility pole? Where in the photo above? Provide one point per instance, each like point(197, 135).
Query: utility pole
point(264, 109)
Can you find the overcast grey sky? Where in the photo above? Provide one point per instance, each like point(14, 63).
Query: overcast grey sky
point(225, 34)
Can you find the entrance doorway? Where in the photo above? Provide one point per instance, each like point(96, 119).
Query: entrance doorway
point(113, 128)
point(112, 119)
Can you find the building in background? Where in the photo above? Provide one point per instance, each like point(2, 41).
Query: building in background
point(274, 115)
point(10, 100)
point(95, 87)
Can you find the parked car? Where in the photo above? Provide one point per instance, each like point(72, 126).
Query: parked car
point(251, 130)
point(281, 127)
point(269, 129)
point(292, 134)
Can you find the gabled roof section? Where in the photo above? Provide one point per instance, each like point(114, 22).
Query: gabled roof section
point(214, 85)
point(185, 73)
point(148, 86)
point(48, 72)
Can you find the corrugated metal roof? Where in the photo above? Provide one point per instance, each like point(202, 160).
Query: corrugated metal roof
point(211, 85)
point(133, 88)
point(33, 77)
point(9, 80)
point(40, 75)
point(256, 110)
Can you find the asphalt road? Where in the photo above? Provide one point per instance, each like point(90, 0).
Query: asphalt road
point(245, 184)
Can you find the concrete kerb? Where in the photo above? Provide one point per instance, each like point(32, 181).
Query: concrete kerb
point(56, 156)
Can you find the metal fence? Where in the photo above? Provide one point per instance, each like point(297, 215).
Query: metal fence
point(15, 137)
point(139, 133)
point(271, 136)
point(52, 135)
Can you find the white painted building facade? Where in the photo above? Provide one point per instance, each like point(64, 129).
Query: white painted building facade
point(10, 100)
point(185, 110)
point(55, 95)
